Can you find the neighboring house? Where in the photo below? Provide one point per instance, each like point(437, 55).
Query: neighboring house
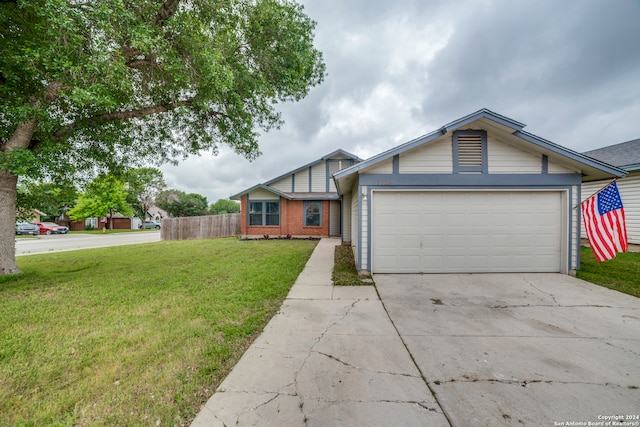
point(625, 156)
point(477, 195)
point(31, 215)
point(302, 202)
point(153, 214)
point(156, 214)
point(120, 222)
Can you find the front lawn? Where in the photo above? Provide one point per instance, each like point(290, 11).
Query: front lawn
point(134, 335)
point(621, 273)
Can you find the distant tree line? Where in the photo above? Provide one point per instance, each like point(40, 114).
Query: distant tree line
point(131, 194)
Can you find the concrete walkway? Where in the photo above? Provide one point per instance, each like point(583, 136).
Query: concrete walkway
point(330, 357)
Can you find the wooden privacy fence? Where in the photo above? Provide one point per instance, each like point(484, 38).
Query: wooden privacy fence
point(200, 227)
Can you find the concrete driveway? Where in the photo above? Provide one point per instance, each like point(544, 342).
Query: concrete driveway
point(520, 349)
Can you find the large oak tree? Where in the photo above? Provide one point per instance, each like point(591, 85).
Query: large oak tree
point(88, 86)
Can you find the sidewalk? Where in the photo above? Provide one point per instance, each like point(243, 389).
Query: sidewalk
point(330, 357)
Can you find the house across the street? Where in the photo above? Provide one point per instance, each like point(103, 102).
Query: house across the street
point(479, 194)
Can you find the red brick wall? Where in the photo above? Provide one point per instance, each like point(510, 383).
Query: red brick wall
point(291, 221)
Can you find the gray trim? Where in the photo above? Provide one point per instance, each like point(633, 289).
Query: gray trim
point(264, 212)
point(570, 242)
point(327, 174)
point(310, 178)
point(545, 164)
point(360, 227)
point(369, 222)
point(308, 165)
point(496, 118)
point(396, 164)
point(469, 180)
point(573, 155)
point(293, 183)
point(630, 168)
point(484, 113)
point(579, 242)
point(372, 188)
point(304, 219)
point(262, 186)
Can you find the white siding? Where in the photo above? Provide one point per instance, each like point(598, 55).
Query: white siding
point(302, 181)
point(504, 158)
point(346, 218)
point(319, 177)
point(262, 194)
point(383, 167)
point(556, 168)
point(334, 218)
point(283, 185)
point(332, 186)
point(435, 157)
point(355, 241)
point(629, 188)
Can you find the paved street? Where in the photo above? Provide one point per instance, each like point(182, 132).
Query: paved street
point(70, 242)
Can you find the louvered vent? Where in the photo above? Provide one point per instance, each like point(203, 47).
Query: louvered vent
point(470, 150)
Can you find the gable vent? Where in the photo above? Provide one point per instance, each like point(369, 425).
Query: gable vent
point(470, 150)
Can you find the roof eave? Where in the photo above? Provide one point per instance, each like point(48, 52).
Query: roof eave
point(261, 186)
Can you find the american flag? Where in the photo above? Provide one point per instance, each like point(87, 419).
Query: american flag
point(604, 222)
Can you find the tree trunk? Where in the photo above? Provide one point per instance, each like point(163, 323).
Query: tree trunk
point(8, 197)
point(8, 194)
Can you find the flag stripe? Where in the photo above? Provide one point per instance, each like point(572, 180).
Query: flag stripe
point(605, 223)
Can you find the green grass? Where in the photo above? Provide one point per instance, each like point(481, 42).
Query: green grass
point(621, 273)
point(134, 335)
point(344, 268)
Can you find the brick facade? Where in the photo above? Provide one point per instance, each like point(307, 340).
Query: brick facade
point(291, 221)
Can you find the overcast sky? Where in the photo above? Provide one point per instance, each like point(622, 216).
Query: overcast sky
point(398, 69)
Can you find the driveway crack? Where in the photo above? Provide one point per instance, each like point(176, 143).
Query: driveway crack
point(540, 290)
point(364, 369)
point(320, 337)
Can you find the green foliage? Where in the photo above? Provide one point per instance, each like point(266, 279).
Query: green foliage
point(344, 268)
point(105, 196)
point(224, 206)
point(101, 82)
point(52, 199)
point(180, 204)
point(143, 186)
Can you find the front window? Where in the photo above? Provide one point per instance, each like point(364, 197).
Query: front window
point(312, 214)
point(264, 213)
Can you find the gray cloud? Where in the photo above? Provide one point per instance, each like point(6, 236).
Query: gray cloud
point(569, 70)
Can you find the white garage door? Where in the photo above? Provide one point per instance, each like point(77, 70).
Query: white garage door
point(466, 232)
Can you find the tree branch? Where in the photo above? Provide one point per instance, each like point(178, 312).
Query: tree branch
point(168, 9)
point(125, 115)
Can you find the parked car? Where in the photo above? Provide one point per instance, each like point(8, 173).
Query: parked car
point(150, 224)
point(26, 228)
point(51, 228)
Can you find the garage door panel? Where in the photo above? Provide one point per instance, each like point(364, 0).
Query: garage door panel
point(466, 232)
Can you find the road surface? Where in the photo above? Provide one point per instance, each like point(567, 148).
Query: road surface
point(71, 242)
